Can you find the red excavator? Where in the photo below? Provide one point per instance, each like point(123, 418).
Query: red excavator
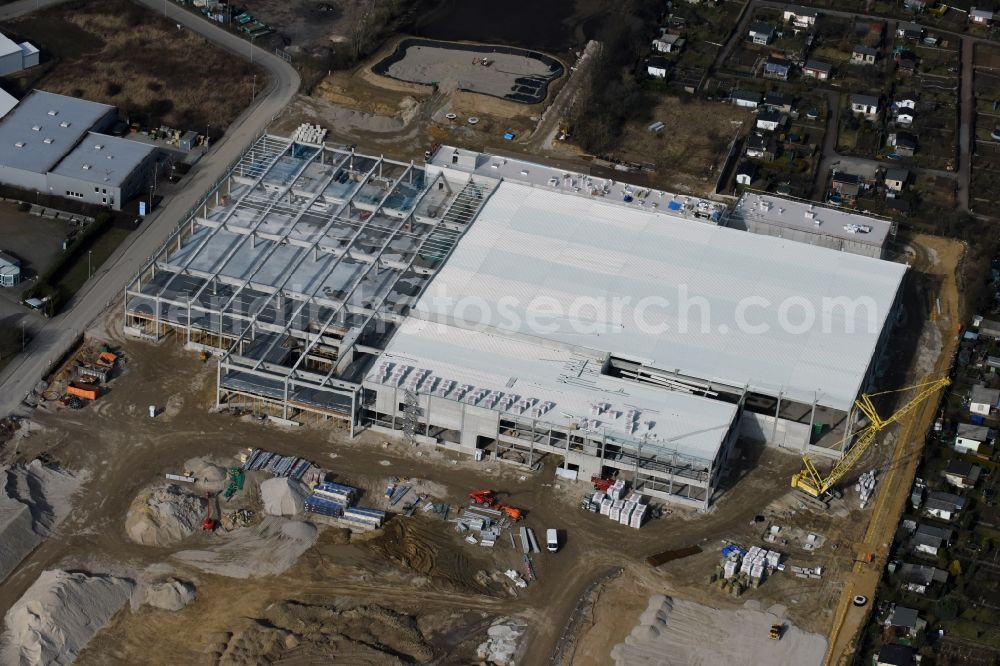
point(210, 523)
point(489, 498)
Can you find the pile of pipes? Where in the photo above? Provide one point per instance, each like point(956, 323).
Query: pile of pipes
point(292, 467)
point(865, 487)
point(335, 500)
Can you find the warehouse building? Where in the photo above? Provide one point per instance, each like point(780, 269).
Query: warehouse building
point(514, 311)
point(103, 170)
point(15, 57)
point(812, 223)
point(50, 144)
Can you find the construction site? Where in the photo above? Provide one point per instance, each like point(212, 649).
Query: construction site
point(319, 425)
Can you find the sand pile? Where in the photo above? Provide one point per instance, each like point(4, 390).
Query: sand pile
point(675, 631)
point(58, 615)
point(283, 496)
point(209, 476)
point(266, 549)
point(503, 642)
point(171, 595)
point(163, 516)
point(34, 499)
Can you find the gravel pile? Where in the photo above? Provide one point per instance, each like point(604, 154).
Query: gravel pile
point(58, 615)
point(283, 496)
point(34, 499)
point(171, 595)
point(267, 549)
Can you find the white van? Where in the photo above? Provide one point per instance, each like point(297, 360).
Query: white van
point(552, 540)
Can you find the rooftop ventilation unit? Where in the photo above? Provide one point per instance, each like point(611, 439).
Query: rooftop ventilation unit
point(19, 144)
point(47, 140)
point(53, 112)
point(36, 128)
point(64, 123)
point(98, 146)
point(86, 167)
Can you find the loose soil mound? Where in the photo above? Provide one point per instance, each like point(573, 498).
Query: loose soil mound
point(164, 516)
point(361, 636)
point(431, 551)
point(171, 595)
point(58, 615)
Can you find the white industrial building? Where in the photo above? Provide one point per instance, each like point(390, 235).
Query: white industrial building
point(809, 222)
point(15, 57)
point(103, 170)
point(506, 309)
point(10, 270)
point(50, 144)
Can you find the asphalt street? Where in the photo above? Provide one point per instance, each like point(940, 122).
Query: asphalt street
point(55, 337)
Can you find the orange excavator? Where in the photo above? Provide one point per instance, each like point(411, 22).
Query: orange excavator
point(489, 498)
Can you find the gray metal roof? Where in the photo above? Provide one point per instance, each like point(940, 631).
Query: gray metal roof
point(867, 100)
point(60, 122)
point(983, 395)
point(7, 102)
point(103, 160)
point(904, 617)
point(8, 46)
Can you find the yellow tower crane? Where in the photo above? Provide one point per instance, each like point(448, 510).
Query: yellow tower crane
point(811, 482)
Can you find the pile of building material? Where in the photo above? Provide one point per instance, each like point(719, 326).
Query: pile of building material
point(751, 564)
point(503, 642)
point(807, 572)
point(299, 469)
point(489, 523)
point(307, 133)
point(58, 615)
point(865, 487)
point(334, 501)
point(34, 499)
point(632, 510)
point(283, 496)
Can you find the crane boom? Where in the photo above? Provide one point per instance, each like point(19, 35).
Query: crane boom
point(810, 481)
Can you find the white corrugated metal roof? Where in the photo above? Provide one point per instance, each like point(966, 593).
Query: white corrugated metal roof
point(8, 46)
point(531, 250)
point(7, 102)
point(692, 425)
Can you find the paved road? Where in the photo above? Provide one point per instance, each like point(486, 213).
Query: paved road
point(53, 339)
point(966, 136)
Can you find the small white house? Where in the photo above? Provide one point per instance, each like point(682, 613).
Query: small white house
point(770, 121)
point(657, 67)
point(983, 400)
point(745, 173)
point(945, 506)
point(929, 539)
point(746, 98)
point(863, 55)
point(980, 16)
point(905, 102)
point(866, 105)
point(801, 17)
point(762, 34)
point(970, 437)
point(15, 57)
point(895, 179)
point(905, 117)
point(667, 43)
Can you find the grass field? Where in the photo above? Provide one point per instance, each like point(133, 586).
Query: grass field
point(75, 275)
point(119, 53)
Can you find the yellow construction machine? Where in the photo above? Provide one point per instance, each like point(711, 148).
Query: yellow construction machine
point(811, 482)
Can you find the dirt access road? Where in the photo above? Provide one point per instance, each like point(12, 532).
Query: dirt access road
point(939, 258)
point(53, 339)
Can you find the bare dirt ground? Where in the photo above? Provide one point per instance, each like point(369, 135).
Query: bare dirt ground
point(118, 53)
point(417, 567)
point(691, 149)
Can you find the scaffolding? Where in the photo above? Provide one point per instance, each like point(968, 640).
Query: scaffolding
point(298, 269)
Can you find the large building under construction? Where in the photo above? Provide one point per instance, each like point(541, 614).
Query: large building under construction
point(514, 311)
